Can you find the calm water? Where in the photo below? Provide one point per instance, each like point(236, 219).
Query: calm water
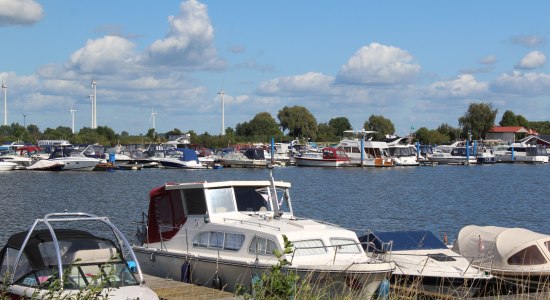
point(442, 199)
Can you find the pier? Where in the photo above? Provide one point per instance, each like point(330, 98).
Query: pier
point(168, 289)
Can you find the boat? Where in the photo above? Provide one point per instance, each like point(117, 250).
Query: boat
point(518, 257)
point(426, 265)
point(247, 158)
point(180, 158)
point(329, 157)
point(67, 261)
point(454, 154)
point(8, 154)
point(401, 152)
point(522, 152)
point(7, 166)
point(486, 156)
point(373, 154)
point(46, 165)
point(224, 234)
point(72, 158)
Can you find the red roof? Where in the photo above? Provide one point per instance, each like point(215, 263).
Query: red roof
point(513, 129)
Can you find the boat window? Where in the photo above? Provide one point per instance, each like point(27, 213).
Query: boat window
point(355, 150)
point(440, 257)
point(262, 246)
point(7, 264)
point(547, 244)
point(169, 210)
point(528, 256)
point(251, 199)
point(345, 245)
point(309, 247)
point(220, 200)
point(219, 240)
point(195, 201)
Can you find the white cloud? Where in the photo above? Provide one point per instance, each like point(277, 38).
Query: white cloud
point(190, 41)
point(532, 60)
point(522, 84)
point(104, 55)
point(488, 60)
point(528, 40)
point(308, 83)
point(19, 12)
point(378, 64)
point(465, 86)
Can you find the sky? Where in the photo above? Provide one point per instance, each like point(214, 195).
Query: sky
point(417, 63)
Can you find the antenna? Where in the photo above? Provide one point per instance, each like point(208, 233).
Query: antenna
point(223, 112)
point(94, 105)
point(5, 88)
point(72, 116)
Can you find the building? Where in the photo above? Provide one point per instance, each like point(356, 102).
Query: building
point(509, 134)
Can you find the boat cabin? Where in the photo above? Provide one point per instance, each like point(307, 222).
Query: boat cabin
point(172, 204)
point(334, 154)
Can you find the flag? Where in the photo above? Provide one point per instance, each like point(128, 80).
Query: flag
point(481, 245)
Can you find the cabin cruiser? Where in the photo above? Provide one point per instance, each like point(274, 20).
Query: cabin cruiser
point(329, 157)
point(424, 261)
point(71, 262)
point(8, 154)
point(486, 156)
point(373, 154)
point(72, 158)
point(401, 152)
point(224, 235)
point(180, 158)
point(7, 166)
point(519, 257)
point(247, 158)
point(522, 152)
point(458, 155)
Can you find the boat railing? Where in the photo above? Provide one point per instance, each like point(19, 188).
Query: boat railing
point(325, 247)
point(259, 224)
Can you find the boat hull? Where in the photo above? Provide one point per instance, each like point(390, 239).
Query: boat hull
point(315, 162)
point(229, 274)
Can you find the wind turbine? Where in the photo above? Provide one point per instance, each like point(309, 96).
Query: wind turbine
point(72, 116)
point(153, 117)
point(94, 105)
point(223, 112)
point(25, 120)
point(5, 88)
point(92, 100)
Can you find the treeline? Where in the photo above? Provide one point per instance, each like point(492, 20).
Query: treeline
point(295, 122)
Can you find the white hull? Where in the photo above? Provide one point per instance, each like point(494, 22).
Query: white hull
point(540, 159)
point(319, 162)
point(447, 159)
point(77, 163)
point(203, 269)
point(7, 166)
point(176, 163)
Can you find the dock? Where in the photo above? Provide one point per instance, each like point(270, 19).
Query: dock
point(168, 289)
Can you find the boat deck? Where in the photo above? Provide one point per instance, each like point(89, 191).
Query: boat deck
point(175, 290)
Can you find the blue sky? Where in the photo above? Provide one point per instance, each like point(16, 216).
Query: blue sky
point(418, 63)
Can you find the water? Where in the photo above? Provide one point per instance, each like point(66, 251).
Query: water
point(442, 199)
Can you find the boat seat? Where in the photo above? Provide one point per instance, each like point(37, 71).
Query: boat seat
point(94, 255)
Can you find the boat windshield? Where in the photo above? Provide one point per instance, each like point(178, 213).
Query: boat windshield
point(220, 200)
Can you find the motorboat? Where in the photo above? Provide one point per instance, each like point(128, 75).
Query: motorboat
point(401, 152)
point(224, 234)
point(458, 155)
point(55, 256)
point(519, 257)
point(328, 157)
point(247, 158)
point(486, 156)
point(8, 154)
point(180, 158)
point(46, 165)
point(7, 166)
point(425, 264)
point(522, 152)
point(373, 153)
point(72, 158)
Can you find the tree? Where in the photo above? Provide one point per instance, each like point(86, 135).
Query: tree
point(478, 120)
point(508, 119)
point(379, 124)
point(299, 122)
point(339, 124)
point(151, 133)
point(263, 124)
point(522, 121)
point(450, 131)
point(326, 133)
point(430, 137)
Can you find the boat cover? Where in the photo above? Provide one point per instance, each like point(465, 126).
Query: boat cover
point(503, 248)
point(400, 240)
point(188, 154)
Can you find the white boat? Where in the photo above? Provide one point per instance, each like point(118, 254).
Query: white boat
point(72, 159)
point(424, 262)
point(8, 154)
point(223, 234)
point(401, 152)
point(46, 165)
point(517, 256)
point(373, 154)
point(247, 158)
point(522, 152)
point(7, 166)
point(486, 156)
point(181, 158)
point(458, 155)
point(49, 258)
point(329, 157)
